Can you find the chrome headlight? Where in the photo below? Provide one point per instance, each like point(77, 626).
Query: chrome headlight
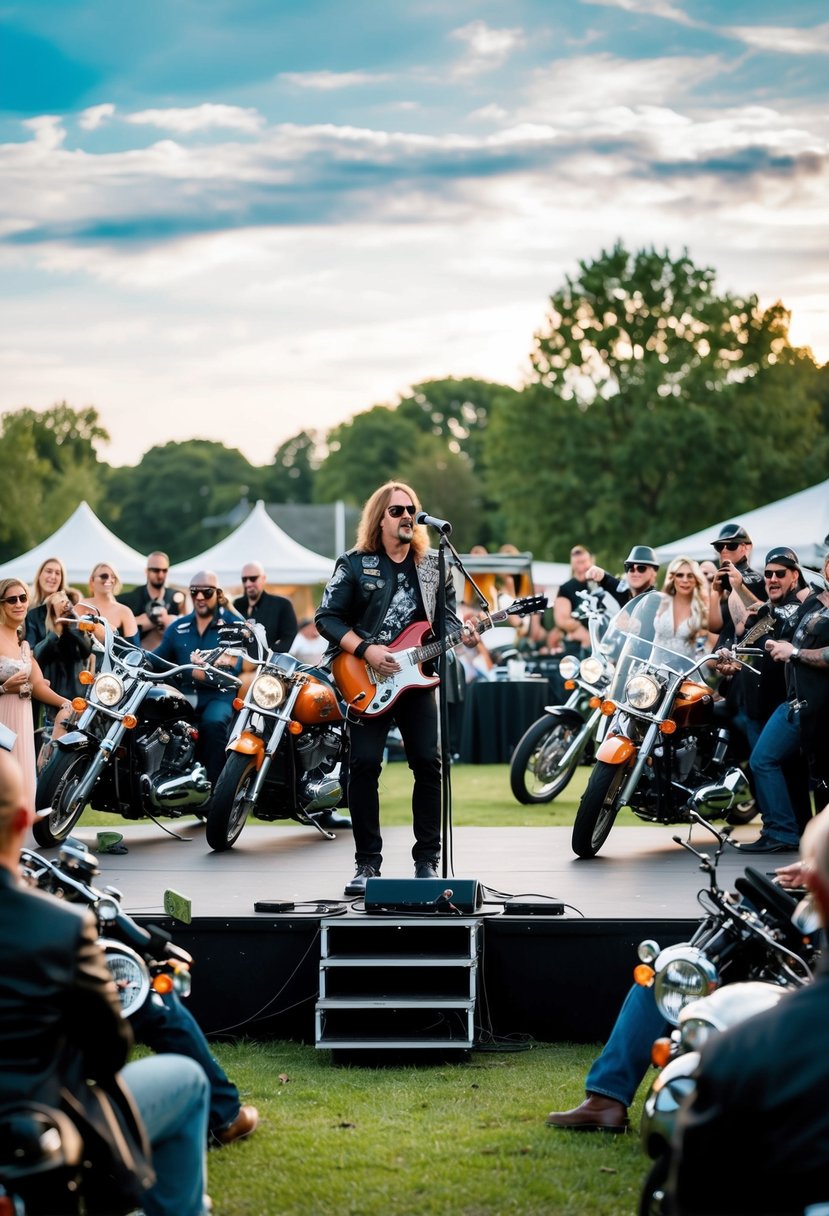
point(108, 689)
point(695, 1033)
point(568, 666)
point(267, 691)
point(130, 973)
point(592, 670)
point(683, 974)
point(642, 692)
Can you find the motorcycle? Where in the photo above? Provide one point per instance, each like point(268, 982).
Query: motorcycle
point(551, 749)
point(664, 754)
point(750, 949)
point(132, 751)
point(288, 749)
point(142, 961)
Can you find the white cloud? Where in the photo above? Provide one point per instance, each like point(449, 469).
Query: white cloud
point(205, 117)
point(786, 40)
point(48, 131)
point(487, 48)
point(325, 82)
point(649, 8)
point(92, 118)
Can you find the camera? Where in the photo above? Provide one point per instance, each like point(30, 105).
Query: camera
point(725, 583)
point(155, 611)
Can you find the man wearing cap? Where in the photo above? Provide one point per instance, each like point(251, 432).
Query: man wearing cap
point(799, 723)
point(641, 568)
point(733, 546)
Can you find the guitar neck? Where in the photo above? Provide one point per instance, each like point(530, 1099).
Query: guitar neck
point(420, 654)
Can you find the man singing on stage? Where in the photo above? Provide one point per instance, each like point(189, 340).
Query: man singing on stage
point(388, 582)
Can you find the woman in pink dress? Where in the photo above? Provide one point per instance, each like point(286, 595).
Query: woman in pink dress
point(20, 679)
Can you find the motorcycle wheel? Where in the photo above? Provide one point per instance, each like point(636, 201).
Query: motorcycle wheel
point(652, 1198)
point(536, 756)
point(744, 813)
point(598, 808)
point(230, 804)
point(56, 788)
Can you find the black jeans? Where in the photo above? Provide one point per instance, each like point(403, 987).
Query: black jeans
point(416, 716)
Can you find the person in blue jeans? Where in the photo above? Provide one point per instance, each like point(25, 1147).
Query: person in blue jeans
point(617, 1072)
point(798, 725)
point(62, 1033)
point(165, 1024)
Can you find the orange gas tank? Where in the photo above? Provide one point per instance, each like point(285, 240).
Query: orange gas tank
point(316, 703)
point(693, 705)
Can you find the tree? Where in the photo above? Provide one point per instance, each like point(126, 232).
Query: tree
point(363, 452)
point(290, 478)
point(653, 403)
point(161, 502)
point(53, 455)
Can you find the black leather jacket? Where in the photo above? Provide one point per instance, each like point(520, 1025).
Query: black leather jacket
point(359, 593)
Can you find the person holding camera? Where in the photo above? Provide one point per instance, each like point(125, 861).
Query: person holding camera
point(155, 606)
point(734, 578)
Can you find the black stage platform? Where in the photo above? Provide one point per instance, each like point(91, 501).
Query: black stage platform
point(557, 977)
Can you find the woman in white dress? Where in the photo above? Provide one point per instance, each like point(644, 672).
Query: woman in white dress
point(681, 622)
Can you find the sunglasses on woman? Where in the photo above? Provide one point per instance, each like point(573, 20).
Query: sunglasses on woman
point(16, 599)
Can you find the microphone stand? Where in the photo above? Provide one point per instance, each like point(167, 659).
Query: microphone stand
point(443, 703)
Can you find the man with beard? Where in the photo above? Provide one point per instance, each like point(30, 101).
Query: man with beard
point(155, 606)
point(388, 582)
point(734, 582)
point(275, 612)
point(199, 631)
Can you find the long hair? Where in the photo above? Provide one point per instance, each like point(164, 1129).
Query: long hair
point(36, 594)
point(368, 530)
point(698, 618)
point(115, 585)
point(6, 585)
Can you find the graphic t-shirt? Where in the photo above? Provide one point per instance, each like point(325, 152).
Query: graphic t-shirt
point(406, 605)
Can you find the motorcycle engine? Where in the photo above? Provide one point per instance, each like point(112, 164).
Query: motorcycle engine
point(168, 749)
point(318, 749)
point(685, 757)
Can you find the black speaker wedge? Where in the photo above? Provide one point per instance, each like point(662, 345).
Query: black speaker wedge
point(423, 895)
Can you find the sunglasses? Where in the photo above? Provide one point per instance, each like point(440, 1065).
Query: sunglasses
point(157, 569)
point(207, 592)
point(731, 545)
point(769, 574)
point(684, 574)
point(16, 599)
point(106, 578)
point(396, 511)
point(251, 578)
point(630, 567)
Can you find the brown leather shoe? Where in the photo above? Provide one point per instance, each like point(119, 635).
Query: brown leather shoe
point(243, 1125)
point(596, 1114)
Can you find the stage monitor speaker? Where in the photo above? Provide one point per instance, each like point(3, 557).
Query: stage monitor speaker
point(422, 894)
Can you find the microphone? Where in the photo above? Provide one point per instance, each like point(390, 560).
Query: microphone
point(440, 525)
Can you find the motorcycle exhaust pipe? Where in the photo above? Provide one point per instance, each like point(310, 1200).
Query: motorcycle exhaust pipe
point(188, 789)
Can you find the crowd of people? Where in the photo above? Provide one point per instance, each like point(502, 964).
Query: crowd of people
point(388, 582)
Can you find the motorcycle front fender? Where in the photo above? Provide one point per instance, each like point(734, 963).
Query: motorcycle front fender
point(248, 744)
point(73, 741)
point(671, 1086)
point(615, 749)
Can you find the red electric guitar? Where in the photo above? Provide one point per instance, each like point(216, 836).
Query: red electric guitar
point(367, 692)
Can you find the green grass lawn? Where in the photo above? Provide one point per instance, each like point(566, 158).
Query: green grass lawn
point(464, 1138)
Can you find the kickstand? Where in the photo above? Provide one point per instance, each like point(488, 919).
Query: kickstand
point(311, 822)
point(169, 831)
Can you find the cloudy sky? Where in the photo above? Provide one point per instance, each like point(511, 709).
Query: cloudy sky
point(237, 219)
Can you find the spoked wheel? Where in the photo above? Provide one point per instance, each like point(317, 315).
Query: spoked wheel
point(57, 788)
point(534, 773)
point(230, 804)
point(599, 806)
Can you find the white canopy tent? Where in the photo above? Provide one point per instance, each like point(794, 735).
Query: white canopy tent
point(258, 539)
point(801, 521)
point(80, 543)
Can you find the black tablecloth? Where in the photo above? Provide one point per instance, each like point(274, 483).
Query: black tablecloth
point(495, 715)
